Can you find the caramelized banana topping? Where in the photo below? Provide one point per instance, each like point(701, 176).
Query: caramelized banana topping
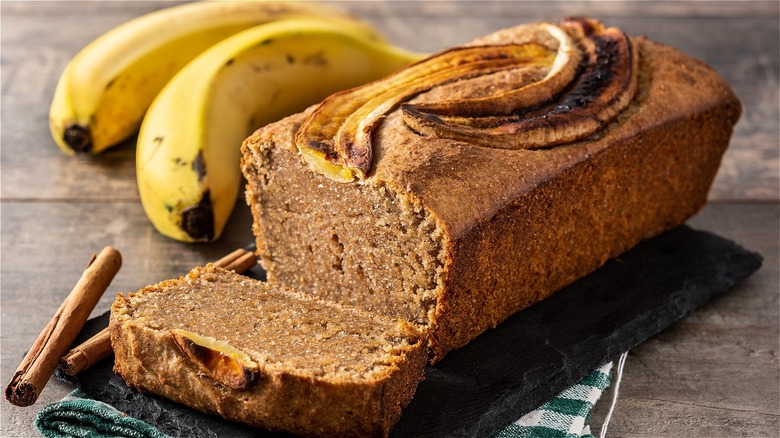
point(604, 86)
point(562, 72)
point(335, 140)
point(591, 76)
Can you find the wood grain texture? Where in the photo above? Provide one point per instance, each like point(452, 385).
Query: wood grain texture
point(713, 374)
point(739, 39)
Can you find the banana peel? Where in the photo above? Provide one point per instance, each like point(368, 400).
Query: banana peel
point(188, 152)
point(105, 90)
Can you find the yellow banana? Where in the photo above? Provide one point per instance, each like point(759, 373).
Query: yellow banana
point(187, 159)
point(104, 91)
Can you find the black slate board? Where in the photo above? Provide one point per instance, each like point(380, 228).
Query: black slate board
point(510, 370)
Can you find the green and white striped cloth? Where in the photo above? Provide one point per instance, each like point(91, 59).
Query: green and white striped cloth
point(77, 416)
point(562, 417)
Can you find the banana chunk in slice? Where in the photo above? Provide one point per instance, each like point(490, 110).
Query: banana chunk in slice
point(221, 361)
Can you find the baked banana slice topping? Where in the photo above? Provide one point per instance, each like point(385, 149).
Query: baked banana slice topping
point(590, 77)
point(539, 115)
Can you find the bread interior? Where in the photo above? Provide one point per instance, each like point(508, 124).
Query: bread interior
point(359, 244)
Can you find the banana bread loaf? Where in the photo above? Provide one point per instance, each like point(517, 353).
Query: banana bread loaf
point(454, 233)
point(229, 345)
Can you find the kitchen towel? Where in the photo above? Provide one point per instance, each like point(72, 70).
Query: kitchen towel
point(564, 416)
point(82, 417)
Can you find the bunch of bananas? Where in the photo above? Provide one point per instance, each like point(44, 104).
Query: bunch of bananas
point(197, 79)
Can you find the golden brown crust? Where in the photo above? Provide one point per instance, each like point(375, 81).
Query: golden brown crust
point(646, 174)
point(673, 86)
point(519, 224)
point(285, 399)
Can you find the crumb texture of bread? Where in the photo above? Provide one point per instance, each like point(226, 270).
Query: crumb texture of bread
point(323, 369)
point(362, 245)
point(454, 237)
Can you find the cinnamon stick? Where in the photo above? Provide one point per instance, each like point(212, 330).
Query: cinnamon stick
point(42, 359)
point(98, 347)
point(230, 258)
point(87, 354)
point(243, 263)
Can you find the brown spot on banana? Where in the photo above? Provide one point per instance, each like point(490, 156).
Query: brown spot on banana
point(199, 166)
point(198, 221)
point(316, 59)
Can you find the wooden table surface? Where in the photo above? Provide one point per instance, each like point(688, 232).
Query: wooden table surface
point(715, 373)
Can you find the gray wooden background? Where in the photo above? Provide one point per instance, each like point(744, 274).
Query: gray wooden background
point(716, 373)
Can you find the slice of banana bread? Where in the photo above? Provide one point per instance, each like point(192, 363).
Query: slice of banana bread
point(226, 344)
point(456, 236)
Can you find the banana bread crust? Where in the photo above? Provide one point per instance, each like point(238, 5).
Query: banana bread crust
point(647, 173)
point(282, 398)
point(517, 225)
